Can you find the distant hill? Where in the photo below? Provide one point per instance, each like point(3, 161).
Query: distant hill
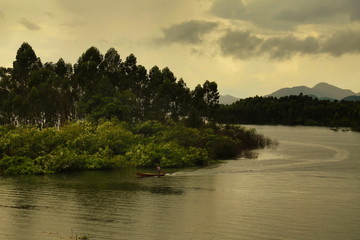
point(331, 91)
point(320, 90)
point(352, 98)
point(227, 99)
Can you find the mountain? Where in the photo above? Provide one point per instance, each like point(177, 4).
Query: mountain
point(227, 99)
point(352, 98)
point(331, 91)
point(293, 91)
point(320, 90)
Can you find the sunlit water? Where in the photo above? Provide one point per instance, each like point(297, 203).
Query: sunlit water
point(307, 188)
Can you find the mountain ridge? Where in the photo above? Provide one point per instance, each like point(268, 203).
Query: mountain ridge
point(321, 90)
point(227, 99)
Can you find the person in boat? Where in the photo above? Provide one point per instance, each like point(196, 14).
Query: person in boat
point(160, 171)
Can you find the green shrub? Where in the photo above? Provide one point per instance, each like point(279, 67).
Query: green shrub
point(223, 147)
point(114, 144)
point(167, 155)
point(19, 165)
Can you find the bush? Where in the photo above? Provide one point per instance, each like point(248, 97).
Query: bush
point(223, 147)
point(167, 155)
point(19, 165)
point(114, 144)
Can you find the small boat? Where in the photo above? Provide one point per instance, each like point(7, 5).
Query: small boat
point(150, 174)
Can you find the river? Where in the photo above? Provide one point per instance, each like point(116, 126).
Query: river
point(306, 188)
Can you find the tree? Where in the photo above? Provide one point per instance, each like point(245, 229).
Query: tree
point(65, 97)
point(211, 98)
point(5, 88)
point(26, 62)
point(42, 99)
point(102, 107)
point(111, 68)
point(139, 87)
point(86, 76)
point(96, 87)
point(87, 72)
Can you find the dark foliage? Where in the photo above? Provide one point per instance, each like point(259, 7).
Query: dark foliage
point(292, 110)
point(114, 144)
point(97, 87)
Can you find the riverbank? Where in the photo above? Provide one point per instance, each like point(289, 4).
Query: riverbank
point(114, 144)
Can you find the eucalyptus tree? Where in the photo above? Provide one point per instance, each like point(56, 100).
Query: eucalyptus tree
point(111, 68)
point(211, 98)
point(181, 100)
point(165, 94)
point(205, 100)
point(5, 88)
point(87, 72)
point(64, 89)
point(26, 62)
point(86, 76)
point(152, 92)
point(42, 97)
point(139, 89)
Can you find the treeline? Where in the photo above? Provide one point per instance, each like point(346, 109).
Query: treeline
point(292, 110)
point(105, 113)
point(97, 87)
point(114, 144)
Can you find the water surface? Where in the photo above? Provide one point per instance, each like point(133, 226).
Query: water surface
point(307, 188)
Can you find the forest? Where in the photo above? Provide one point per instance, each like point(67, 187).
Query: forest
point(97, 87)
point(105, 113)
point(292, 110)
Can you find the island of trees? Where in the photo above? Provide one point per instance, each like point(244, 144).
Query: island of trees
point(104, 113)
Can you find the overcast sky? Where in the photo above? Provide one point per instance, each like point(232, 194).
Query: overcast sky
point(249, 47)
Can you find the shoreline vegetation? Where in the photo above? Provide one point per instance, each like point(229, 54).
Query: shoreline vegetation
point(114, 144)
point(106, 113)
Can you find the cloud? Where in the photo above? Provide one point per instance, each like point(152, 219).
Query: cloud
point(245, 45)
point(2, 15)
point(29, 25)
point(354, 9)
point(319, 11)
point(240, 44)
point(190, 32)
point(229, 9)
point(342, 43)
point(287, 46)
point(287, 14)
point(326, 27)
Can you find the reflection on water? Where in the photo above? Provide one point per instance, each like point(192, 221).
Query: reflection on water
point(307, 188)
point(27, 207)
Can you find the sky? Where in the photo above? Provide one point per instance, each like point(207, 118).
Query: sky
point(248, 47)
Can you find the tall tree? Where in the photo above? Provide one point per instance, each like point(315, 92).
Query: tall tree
point(205, 100)
point(45, 95)
point(87, 71)
point(5, 88)
point(111, 68)
point(87, 74)
point(63, 85)
point(211, 98)
point(26, 62)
